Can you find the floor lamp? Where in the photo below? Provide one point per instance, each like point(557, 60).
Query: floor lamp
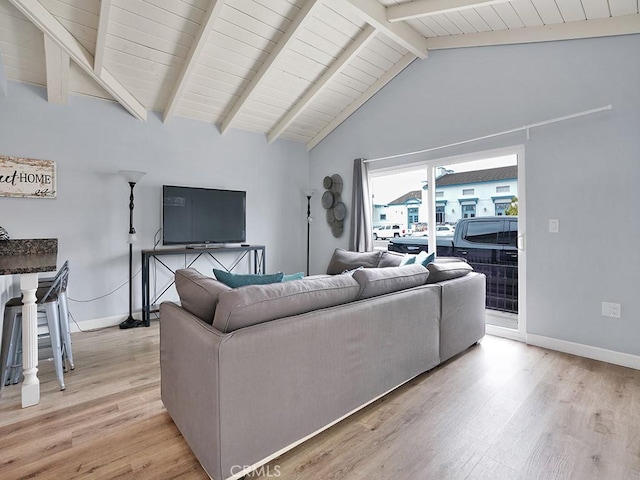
point(132, 177)
point(308, 193)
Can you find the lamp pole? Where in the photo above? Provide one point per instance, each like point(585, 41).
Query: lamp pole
point(309, 219)
point(132, 178)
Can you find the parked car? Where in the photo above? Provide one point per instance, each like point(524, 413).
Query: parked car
point(489, 244)
point(384, 232)
point(440, 230)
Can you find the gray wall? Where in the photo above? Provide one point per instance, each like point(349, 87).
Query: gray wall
point(92, 139)
point(585, 172)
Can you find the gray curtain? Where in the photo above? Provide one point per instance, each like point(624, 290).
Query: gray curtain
point(360, 236)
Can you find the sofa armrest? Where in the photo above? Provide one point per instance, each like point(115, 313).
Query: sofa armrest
point(462, 321)
point(189, 350)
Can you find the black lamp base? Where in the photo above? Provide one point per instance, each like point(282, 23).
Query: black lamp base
point(131, 323)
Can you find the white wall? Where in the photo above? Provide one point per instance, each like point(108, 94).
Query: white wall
point(92, 139)
point(585, 172)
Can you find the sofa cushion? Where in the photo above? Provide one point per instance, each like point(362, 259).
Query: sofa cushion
point(390, 259)
point(439, 272)
point(378, 281)
point(254, 304)
point(198, 293)
point(235, 280)
point(345, 260)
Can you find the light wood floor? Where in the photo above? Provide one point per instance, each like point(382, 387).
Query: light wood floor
point(501, 410)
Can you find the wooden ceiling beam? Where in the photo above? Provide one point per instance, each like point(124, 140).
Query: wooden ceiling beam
point(57, 66)
point(597, 27)
point(101, 36)
point(192, 58)
point(3, 79)
point(375, 14)
point(336, 67)
point(49, 25)
point(366, 95)
point(426, 8)
point(282, 46)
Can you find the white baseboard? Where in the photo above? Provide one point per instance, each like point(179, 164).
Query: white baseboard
point(596, 353)
point(98, 323)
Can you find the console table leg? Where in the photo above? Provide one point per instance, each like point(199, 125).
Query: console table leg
point(31, 384)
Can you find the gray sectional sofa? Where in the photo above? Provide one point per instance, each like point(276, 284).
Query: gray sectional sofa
point(249, 373)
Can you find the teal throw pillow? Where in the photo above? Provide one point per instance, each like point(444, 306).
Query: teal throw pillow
point(408, 260)
point(293, 276)
point(235, 280)
point(425, 259)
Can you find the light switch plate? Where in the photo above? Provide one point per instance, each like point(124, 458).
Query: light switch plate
point(554, 225)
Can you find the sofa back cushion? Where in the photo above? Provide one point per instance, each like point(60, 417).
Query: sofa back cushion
point(378, 281)
point(441, 271)
point(346, 260)
point(255, 304)
point(198, 293)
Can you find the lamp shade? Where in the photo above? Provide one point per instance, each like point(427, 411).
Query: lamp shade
point(308, 192)
point(132, 176)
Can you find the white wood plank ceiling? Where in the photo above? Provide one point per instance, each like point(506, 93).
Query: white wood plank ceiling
point(292, 69)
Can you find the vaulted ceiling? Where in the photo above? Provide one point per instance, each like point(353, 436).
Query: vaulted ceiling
point(292, 69)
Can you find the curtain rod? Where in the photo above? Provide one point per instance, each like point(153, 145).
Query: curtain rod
point(524, 127)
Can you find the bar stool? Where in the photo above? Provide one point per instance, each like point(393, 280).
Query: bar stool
point(48, 305)
point(65, 325)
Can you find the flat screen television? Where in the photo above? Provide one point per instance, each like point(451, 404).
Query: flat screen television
point(202, 215)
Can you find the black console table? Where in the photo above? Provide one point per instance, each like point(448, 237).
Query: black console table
point(255, 253)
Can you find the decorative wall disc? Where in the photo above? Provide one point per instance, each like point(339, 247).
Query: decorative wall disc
point(332, 203)
point(340, 211)
point(327, 199)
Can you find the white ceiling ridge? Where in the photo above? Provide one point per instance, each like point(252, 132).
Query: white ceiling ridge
point(375, 14)
point(364, 96)
point(426, 8)
point(282, 46)
point(57, 66)
point(101, 35)
point(336, 67)
point(191, 61)
point(47, 24)
point(600, 27)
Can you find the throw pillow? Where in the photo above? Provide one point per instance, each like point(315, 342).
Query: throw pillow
point(198, 293)
point(342, 260)
point(235, 280)
point(425, 259)
point(408, 260)
point(293, 276)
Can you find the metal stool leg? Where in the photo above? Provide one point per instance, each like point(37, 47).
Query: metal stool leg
point(53, 321)
point(65, 330)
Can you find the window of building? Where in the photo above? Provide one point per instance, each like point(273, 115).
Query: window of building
point(468, 191)
point(501, 207)
point(439, 194)
point(383, 216)
point(439, 213)
point(412, 216)
point(503, 189)
point(468, 211)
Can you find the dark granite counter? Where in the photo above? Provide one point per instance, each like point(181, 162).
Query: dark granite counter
point(28, 256)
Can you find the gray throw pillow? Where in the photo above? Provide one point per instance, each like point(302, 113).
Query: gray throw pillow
point(390, 259)
point(345, 260)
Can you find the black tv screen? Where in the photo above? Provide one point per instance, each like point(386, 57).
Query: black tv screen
point(202, 215)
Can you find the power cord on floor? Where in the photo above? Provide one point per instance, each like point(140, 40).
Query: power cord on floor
point(106, 294)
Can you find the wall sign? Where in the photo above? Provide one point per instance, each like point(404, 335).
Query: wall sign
point(27, 177)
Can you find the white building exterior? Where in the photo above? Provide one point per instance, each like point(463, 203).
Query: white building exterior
point(477, 193)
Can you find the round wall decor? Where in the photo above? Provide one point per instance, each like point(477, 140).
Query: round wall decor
point(332, 203)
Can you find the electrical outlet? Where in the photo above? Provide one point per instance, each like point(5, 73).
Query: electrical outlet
point(611, 310)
